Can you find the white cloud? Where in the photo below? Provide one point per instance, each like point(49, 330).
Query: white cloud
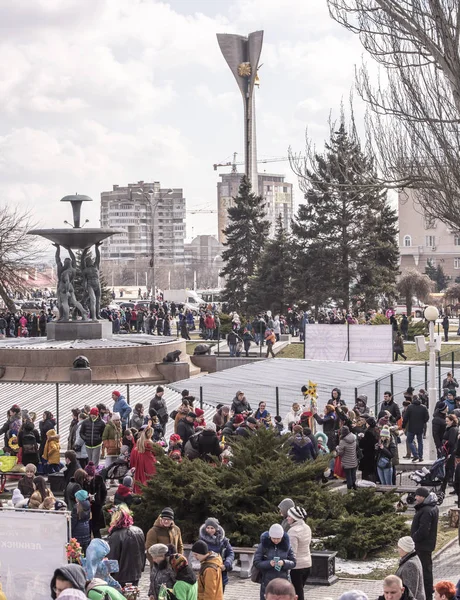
point(96, 93)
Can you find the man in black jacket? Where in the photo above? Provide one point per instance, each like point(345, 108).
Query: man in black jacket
point(390, 405)
point(414, 421)
point(91, 431)
point(423, 531)
point(158, 407)
point(208, 444)
point(186, 429)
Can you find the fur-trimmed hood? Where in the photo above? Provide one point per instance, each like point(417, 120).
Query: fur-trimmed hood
point(215, 539)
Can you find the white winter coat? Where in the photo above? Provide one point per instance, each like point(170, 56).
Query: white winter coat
point(292, 417)
point(300, 538)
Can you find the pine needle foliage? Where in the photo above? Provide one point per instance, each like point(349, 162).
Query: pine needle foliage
point(245, 496)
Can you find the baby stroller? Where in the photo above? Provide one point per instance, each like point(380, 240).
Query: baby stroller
point(430, 478)
point(117, 470)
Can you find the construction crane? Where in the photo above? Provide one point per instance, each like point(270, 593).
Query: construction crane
point(234, 164)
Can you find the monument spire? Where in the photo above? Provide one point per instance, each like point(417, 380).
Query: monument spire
point(242, 55)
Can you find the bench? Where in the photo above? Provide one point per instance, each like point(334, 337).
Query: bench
point(244, 555)
point(398, 489)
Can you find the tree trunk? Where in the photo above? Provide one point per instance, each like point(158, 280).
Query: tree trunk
point(409, 305)
point(6, 299)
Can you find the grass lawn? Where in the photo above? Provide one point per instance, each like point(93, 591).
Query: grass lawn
point(410, 350)
point(291, 351)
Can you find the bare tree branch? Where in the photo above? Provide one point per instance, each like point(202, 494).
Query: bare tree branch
point(414, 118)
point(18, 252)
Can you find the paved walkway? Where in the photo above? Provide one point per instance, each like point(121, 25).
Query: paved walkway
point(446, 566)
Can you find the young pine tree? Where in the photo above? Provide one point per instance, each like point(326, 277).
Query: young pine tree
point(246, 235)
point(271, 285)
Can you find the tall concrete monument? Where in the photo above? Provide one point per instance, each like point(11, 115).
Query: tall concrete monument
point(242, 55)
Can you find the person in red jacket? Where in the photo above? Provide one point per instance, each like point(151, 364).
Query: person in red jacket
point(210, 325)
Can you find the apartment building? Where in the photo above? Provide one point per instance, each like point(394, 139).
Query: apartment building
point(423, 240)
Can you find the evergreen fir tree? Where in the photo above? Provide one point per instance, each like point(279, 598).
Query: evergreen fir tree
point(270, 288)
point(437, 275)
point(377, 275)
point(338, 228)
point(246, 235)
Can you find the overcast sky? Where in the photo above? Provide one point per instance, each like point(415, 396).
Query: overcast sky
point(97, 92)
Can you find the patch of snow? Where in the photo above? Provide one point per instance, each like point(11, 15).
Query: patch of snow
point(362, 567)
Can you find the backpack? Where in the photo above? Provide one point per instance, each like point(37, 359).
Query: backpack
point(29, 444)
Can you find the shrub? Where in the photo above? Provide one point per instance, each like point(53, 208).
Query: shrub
point(245, 496)
point(379, 319)
point(416, 328)
point(357, 536)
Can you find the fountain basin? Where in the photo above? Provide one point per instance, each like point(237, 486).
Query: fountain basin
point(79, 239)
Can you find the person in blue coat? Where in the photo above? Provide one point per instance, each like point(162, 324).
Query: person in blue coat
point(122, 407)
point(213, 534)
point(274, 556)
point(81, 514)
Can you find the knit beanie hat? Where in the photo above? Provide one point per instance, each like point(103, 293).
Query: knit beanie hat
point(422, 491)
point(385, 433)
point(128, 481)
point(178, 562)
point(276, 531)
point(345, 431)
point(406, 543)
point(158, 550)
point(201, 547)
point(94, 411)
point(238, 419)
point(116, 416)
point(81, 495)
point(212, 523)
point(354, 595)
point(116, 393)
point(199, 412)
point(167, 513)
point(298, 513)
point(91, 469)
point(285, 505)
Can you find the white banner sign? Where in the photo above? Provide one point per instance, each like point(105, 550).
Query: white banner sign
point(32, 546)
point(359, 343)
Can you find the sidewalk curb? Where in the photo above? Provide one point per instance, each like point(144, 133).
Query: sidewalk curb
point(444, 548)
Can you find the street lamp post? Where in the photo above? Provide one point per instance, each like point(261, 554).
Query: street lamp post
point(153, 203)
point(431, 314)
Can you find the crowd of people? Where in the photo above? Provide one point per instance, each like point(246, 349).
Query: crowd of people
point(130, 439)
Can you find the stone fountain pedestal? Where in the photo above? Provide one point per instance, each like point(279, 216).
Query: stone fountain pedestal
point(62, 331)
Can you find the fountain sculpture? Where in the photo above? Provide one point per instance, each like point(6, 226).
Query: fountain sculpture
point(77, 238)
